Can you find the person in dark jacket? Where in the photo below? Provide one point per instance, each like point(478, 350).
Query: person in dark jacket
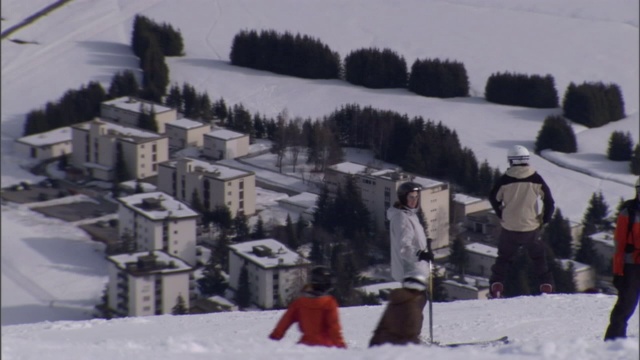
point(514, 199)
point(316, 313)
point(626, 267)
point(401, 322)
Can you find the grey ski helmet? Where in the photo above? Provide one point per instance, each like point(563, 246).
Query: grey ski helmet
point(406, 188)
point(322, 278)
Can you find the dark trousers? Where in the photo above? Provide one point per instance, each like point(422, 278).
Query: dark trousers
point(628, 295)
point(508, 244)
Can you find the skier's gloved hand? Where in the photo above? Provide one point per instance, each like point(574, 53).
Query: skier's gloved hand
point(618, 281)
point(424, 255)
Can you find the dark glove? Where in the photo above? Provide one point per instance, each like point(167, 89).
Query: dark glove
point(424, 255)
point(618, 281)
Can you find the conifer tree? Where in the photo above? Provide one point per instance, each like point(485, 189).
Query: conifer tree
point(180, 308)
point(596, 216)
point(587, 253)
point(558, 236)
point(620, 146)
point(290, 233)
point(440, 294)
point(258, 230)
point(634, 164)
point(241, 226)
point(243, 293)
point(459, 257)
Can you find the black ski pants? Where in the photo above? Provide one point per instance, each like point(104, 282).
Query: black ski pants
point(508, 244)
point(628, 296)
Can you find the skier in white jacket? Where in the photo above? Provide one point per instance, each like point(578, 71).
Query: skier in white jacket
point(408, 238)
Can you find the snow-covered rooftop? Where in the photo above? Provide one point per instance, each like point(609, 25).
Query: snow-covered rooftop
point(163, 263)
point(465, 199)
point(482, 249)
point(348, 167)
point(280, 254)
point(122, 132)
point(51, 137)
point(133, 104)
point(603, 237)
point(305, 199)
point(221, 171)
point(157, 206)
point(186, 124)
point(225, 134)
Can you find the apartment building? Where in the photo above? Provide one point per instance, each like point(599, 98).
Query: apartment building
point(462, 205)
point(157, 221)
point(225, 144)
point(378, 189)
point(481, 259)
point(584, 276)
point(216, 184)
point(276, 273)
point(185, 132)
point(481, 226)
point(126, 110)
point(469, 288)
point(147, 283)
point(45, 145)
point(97, 143)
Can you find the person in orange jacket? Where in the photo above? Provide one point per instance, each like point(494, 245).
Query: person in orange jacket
point(316, 313)
point(626, 267)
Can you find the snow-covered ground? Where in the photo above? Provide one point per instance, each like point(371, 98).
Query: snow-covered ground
point(52, 271)
point(559, 327)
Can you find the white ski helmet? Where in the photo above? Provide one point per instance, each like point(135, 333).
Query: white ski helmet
point(518, 155)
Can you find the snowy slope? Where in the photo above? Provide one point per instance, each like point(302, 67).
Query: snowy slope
point(51, 270)
point(559, 327)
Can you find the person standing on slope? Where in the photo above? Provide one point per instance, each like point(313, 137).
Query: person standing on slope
point(626, 266)
point(316, 313)
point(408, 240)
point(401, 322)
point(514, 198)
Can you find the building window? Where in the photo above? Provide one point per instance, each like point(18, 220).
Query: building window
point(34, 152)
point(154, 167)
point(154, 147)
point(146, 298)
point(146, 308)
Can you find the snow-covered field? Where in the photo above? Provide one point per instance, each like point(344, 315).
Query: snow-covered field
point(52, 271)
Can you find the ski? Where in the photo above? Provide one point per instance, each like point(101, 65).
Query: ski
point(502, 340)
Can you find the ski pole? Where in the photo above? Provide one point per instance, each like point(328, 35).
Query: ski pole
point(430, 299)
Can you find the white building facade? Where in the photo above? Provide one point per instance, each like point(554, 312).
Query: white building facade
point(147, 283)
point(481, 259)
point(97, 143)
point(184, 133)
point(157, 221)
point(46, 145)
point(126, 110)
point(276, 274)
point(215, 184)
point(225, 144)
